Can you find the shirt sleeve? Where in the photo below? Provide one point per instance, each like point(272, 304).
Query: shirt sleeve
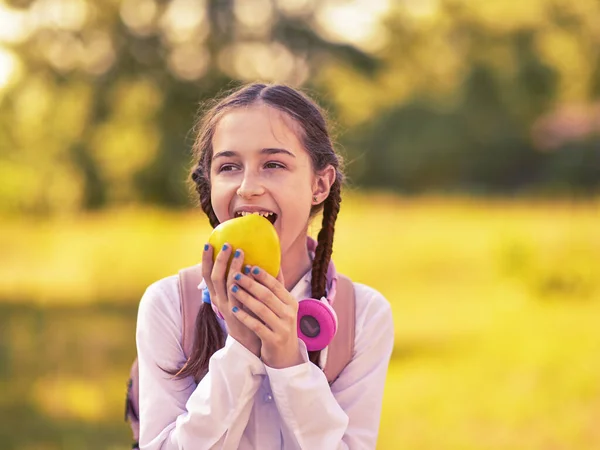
point(177, 413)
point(345, 415)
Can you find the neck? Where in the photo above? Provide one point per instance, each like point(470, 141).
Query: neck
point(295, 262)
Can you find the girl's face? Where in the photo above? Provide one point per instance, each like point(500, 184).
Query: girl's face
point(259, 164)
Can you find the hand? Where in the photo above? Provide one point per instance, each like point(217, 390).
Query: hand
point(218, 283)
point(275, 311)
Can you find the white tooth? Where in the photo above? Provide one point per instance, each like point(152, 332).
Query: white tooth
point(260, 213)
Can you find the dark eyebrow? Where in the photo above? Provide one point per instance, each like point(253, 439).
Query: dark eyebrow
point(264, 151)
point(225, 154)
point(274, 151)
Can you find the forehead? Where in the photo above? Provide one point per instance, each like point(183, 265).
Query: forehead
point(256, 127)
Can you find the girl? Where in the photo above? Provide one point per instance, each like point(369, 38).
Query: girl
point(262, 149)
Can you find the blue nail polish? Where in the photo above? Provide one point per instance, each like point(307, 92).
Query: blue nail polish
point(235, 309)
point(256, 271)
point(234, 288)
point(205, 247)
point(247, 270)
point(236, 254)
point(237, 276)
point(224, 247)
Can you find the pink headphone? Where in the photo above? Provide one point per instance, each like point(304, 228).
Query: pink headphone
point(317, 321)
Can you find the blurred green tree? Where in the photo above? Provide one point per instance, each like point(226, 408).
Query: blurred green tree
point(464, 86)
point(449, 95)
point(110, 89)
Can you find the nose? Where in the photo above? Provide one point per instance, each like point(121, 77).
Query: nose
point(250, 186)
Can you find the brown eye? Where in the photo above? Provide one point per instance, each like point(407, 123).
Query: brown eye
point(274, 165)
point(226, 168)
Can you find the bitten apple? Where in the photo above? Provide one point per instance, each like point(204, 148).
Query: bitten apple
point(255, 235)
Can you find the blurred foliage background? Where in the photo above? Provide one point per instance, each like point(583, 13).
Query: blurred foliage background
point(471, 132)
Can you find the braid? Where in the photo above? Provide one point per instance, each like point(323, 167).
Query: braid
point(331, 207)
point(206, 204)
point(208, 334)
point(203, 189)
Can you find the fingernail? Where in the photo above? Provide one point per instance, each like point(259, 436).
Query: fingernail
point(234, 288)
point(247, 270)
point(256, 271)
point(236, 254)
point(235, 309)
point(224, 247)
point(237, 276)
point(205, 247)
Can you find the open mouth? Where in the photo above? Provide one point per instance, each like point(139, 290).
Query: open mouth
point(270, 216)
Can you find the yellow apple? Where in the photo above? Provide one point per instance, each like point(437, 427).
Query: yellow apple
point(255, 236)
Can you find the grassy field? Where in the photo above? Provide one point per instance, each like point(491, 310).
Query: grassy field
point(496, 307)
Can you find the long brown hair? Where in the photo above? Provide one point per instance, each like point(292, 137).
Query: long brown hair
point(317, 142)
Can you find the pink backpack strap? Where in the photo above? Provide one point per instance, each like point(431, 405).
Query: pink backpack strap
point(341, 348)
point(191, 300)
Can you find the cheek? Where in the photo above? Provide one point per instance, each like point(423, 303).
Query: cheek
point(300, 183)
point(296, 205)
point(220, 196)
point(299, 193)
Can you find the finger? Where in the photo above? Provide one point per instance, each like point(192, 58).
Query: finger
point(258, 308)
point(246, 269)
point(236, 265)
point(280, 278)
point(261, 294)
point(207, 266)
point(218, 275)
point(253, 324)
point(273, 285)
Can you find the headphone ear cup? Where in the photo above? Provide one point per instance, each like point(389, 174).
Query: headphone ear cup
point(317, 323)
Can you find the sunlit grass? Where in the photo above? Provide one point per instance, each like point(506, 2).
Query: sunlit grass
point(496, 307)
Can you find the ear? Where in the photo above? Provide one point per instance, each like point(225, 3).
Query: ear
point(323, 181)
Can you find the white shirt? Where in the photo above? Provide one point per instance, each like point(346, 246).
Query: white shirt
point(242, 403)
